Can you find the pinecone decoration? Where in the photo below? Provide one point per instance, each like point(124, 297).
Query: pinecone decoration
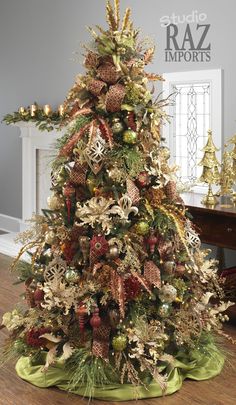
point(91, 60)
point(170, 191)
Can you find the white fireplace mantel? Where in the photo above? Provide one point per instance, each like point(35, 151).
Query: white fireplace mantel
point(37, 153)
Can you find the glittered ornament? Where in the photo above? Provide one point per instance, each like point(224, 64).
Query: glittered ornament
point(168, 266)
point(71, 275)
point(119, 343)
point(95, 321)
point(68, 192)
point(54, 202)
point(143, 179)
point(180, 269)
point(152, 241)
point(50, 237)
point(142, 227)
point(167, 293)
point(38, 296)
point(130, 137)
point(84, 244)
point(117, 126)
point(164, 310)
point(114, 317)
point(132, 288)
point(82, 314)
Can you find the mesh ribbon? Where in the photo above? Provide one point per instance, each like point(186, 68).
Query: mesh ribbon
point(114, 97)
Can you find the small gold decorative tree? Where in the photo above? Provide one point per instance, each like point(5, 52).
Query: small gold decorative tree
point(210, 173)
point(226, 175)
point(232, 153)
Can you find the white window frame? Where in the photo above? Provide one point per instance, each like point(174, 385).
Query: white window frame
point(214, 77)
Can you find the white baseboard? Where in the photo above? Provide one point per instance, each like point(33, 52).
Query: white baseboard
point(7, 244)
point(10, 224)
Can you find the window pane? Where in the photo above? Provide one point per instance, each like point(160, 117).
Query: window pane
point(191, 121)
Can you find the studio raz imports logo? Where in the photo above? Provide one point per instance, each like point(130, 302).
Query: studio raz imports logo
point(187, 37)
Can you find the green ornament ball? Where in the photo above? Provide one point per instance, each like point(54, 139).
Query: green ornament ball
point(117, 126)
point(164, 310)
point(119, 343)
point(71, 275)
point(142, 228)
point(130, 137)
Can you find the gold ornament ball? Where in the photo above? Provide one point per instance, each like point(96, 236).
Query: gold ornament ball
point(142, 228)
point(168, 267)
point(114, 317)
point(117, 126)
point(50, 237)
point(130, 137)
point(54, 202)
point(113, 252)
point(71, 275)
point(119, 343)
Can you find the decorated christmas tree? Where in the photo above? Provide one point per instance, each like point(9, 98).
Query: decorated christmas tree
point(119, 293)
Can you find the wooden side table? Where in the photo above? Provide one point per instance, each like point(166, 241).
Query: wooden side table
point(217, 226)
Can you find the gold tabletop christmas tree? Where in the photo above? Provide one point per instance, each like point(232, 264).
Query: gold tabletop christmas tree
point(210, 173)
point(117, 288)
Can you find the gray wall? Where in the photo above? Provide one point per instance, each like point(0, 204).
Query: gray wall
point(37, 40)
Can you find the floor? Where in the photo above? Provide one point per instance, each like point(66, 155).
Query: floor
point(13, 391)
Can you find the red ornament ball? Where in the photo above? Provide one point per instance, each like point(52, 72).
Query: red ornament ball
point(143, 179)
point(132, 288)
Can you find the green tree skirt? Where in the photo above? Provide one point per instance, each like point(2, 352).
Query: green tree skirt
point(200, 365)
